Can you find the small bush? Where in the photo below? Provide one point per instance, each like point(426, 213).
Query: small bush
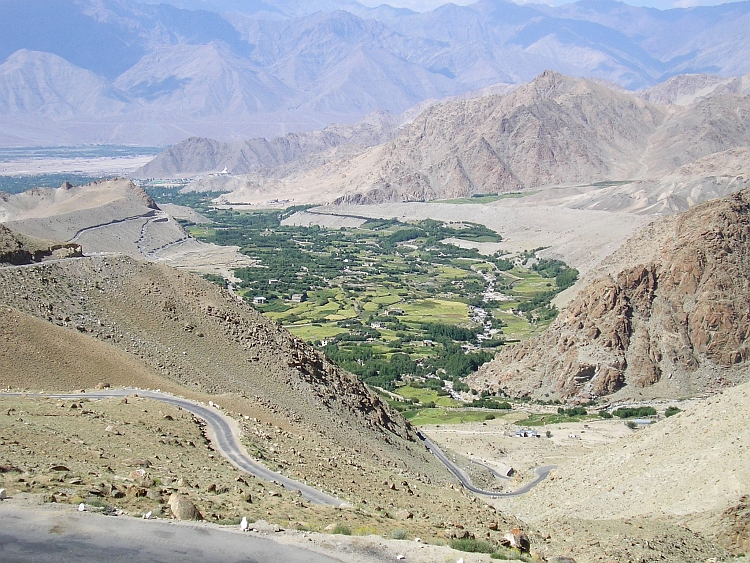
point(342, 530)
point(473, 546)
point(632, 425)
point(671, 411)
point(510, 555)
point(549, 434)
point(489, 417)
point(399, 534)
point(605, 414)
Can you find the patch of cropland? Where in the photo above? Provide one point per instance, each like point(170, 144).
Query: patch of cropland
point(388, 300)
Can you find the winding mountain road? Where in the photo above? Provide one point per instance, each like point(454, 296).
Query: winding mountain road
point(227, 441)
point(224, 437)
point(541, 474)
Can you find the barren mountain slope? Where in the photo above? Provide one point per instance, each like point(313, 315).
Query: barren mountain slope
point(716, 175)
point(114, 216)
point(671, 321)
point(694, 467)
point(553, 130)
point(199, 156)
point(118, 321)
point(61, 213)
point(687, 89)
point(712, 125)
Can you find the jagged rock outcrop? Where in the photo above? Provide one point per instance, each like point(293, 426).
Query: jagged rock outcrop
point(17, 249)
point(734, 532)
point(677, 324)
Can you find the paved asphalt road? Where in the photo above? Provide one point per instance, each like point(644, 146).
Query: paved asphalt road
point(226, 440)
point(541, 474)
point(229, 446)
point(33, 535)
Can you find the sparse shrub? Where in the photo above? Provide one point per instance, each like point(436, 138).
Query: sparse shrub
point(342, 530)
point(631, 424)
point(549, 434)
point(514, 555)
point(605, 414)
point(473, 546)
point(671, 411)
point(365, 531)
point(399, 534)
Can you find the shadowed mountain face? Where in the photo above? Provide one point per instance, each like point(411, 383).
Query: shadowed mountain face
point(670, 319)
point(235, 70)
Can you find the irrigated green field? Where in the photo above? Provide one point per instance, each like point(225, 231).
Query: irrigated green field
point(388, 301)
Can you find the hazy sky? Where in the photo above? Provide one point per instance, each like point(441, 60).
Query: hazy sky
point(425, 5)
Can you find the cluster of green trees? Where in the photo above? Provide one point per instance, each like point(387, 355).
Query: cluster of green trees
point(442, 332)
point(564, 275)
point(638, 412)
point(313, 260)
point(573, 411)
point(487, 403)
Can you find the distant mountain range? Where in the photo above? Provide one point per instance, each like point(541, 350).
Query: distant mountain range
point(120, 71)
point(556, 130)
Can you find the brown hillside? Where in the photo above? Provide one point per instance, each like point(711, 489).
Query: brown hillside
point(71, 324)
point(36, 354)
point(674, 324)
point(556, 129)
point(692, 468)
point(17, 249)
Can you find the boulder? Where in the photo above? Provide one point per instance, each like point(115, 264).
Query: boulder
point(182, 508)
point(265, 527)
point(516, 539)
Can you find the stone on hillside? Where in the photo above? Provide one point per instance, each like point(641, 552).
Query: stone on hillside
point(182, 508)
point(265, 527)
point(517, 539)
point(135, 462)
point(404, 515)
point(3, 494)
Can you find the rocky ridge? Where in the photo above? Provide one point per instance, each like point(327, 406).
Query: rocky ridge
point(669, 322)
point(17, 249)
point(553, 131)
point(196, 155)
point(687, 89)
